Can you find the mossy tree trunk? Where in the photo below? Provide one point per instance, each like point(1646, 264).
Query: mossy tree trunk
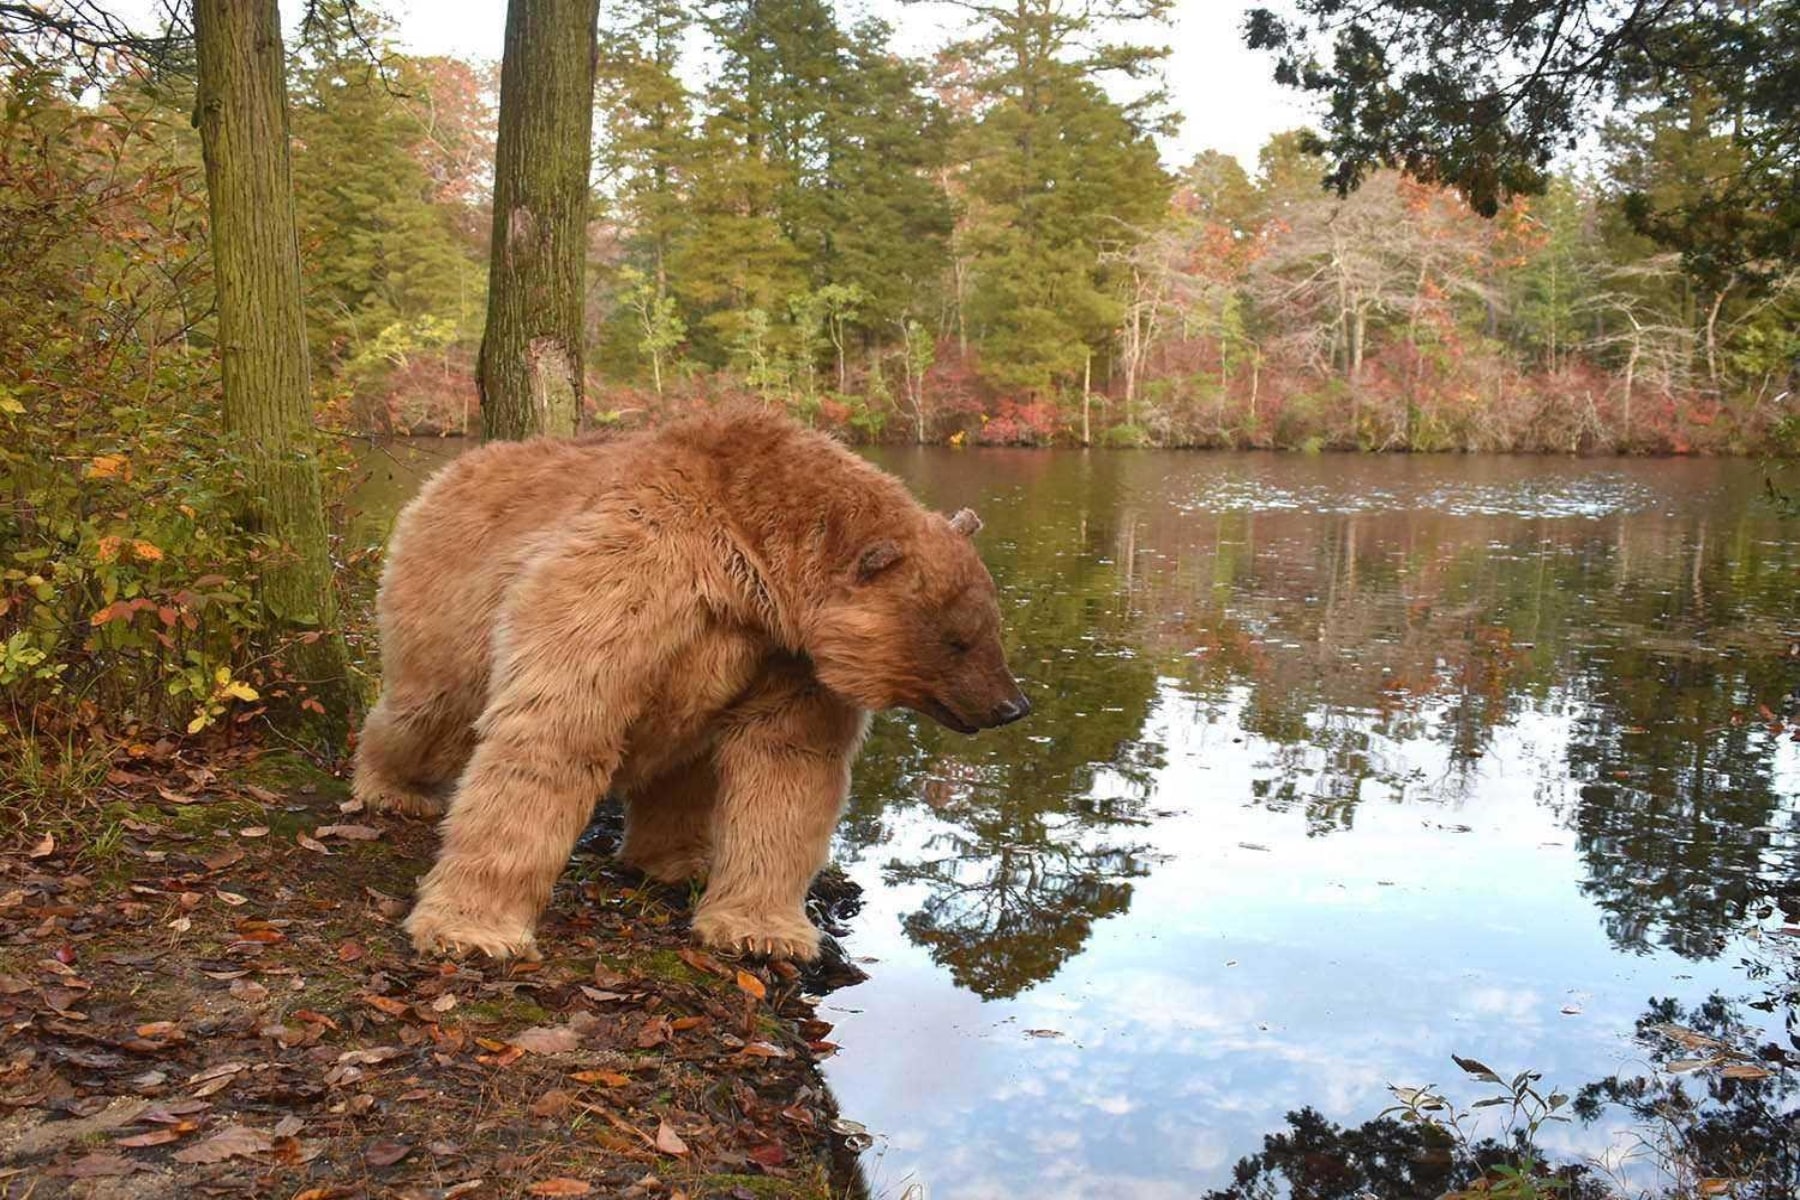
point(531, 371)
point(242, 114)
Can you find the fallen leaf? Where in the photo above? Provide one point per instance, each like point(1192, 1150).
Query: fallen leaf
point(349, 952)
point(385, 1152)
point(237, 1141)
point(608, 1078)
point(45, 848)
point(751, 985)
point(553, 1103)
point(387, 1004)
point(562, 1185)
point(769, 1154)
point(231, 898)
point(1744, 1071)
point(505, 1058)
point(375, 1054)
point(221, 859)
point(546, 1039)
point(254, 831)
point(248, 989)
point(158, 1137)
point(350, 833)
point(444, 1003)
point(313, 844)
point(703, 962)
point(668, 1141)
point(1683, 1065)
point(103, 1164)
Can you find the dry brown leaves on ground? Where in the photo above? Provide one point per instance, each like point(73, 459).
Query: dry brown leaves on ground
point(219, 1009)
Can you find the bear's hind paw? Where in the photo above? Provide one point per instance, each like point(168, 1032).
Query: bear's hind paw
point(380, 795)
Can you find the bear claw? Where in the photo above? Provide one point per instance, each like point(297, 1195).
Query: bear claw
point(793, 938)
point(435, 933)
point(380, 795)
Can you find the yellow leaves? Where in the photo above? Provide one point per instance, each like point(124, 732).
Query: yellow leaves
point(10, 403)
point(109, 466)
point(112, 548)
point(225, 689)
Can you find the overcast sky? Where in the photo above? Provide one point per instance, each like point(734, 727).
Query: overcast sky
point(1223, 91)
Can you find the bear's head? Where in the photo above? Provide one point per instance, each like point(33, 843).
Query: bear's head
point(915, 623)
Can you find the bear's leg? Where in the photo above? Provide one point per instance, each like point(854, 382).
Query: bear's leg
point(668, 823)
point(587, 635)
point(784, 771)
point(411, 750)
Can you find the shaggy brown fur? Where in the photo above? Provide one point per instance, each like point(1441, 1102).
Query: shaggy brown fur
point(698, 619)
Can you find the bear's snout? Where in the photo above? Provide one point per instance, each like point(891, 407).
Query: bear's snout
point(1009, 711)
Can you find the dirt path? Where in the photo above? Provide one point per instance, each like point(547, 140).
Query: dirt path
point(212, 997)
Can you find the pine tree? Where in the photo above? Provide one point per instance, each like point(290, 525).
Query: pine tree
point(381, 254)
point(1059, 173)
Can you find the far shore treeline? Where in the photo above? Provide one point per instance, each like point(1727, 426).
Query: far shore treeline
point(982, 246)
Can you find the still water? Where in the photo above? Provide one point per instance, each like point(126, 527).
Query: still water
point(1339, 766)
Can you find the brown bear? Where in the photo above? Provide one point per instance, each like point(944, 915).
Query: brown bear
point(697, 619)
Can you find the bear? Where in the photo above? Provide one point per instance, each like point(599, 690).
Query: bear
point(698, 619)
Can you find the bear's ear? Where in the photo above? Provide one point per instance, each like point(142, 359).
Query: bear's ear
point(966, 522)
point(876, 558)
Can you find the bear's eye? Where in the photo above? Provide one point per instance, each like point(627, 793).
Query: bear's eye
point(956, 645)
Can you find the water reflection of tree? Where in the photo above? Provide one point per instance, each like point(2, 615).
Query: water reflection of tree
point(1344, 641)
point(1031, 835)
point(1706, 1122)
point(1678, 822)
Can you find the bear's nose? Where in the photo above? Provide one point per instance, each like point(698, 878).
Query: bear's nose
point(1012, 710)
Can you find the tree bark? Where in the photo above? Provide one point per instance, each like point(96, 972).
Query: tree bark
point(530, 373)
point(242, 115)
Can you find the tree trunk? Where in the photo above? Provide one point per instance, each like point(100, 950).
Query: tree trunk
point(242, 115)
point(530, 372)
point(1087, 395)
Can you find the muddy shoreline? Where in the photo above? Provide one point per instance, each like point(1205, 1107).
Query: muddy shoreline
point(211, 995)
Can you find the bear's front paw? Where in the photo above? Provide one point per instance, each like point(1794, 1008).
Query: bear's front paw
point(770, 936)
point(438, 930)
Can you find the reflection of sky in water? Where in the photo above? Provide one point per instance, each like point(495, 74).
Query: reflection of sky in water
point(1247, 982)
point(1400, 873)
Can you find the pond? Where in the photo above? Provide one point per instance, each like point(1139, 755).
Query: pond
point(1339, 766)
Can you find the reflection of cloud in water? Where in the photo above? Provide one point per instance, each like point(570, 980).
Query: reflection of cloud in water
point(1309, 804)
